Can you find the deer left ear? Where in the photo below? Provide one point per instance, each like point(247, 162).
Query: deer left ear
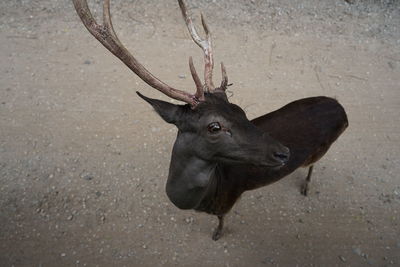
point(168, 112)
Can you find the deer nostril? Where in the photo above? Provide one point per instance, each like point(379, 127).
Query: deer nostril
point(282, 156)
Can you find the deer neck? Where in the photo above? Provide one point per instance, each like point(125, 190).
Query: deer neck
point(190, 178)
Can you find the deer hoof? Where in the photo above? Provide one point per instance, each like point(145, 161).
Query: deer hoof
point(304, 190)
point(217, 234)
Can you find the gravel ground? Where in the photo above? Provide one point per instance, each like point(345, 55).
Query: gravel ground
point(83, 160)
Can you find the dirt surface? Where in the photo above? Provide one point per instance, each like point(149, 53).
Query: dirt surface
point(83, 160)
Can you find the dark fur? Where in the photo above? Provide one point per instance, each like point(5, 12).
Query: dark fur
point(209, 173)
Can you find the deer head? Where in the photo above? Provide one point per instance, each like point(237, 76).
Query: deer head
point(210, 128)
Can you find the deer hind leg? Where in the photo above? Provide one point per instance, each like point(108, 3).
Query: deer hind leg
point(304, 188)
point(218, 231)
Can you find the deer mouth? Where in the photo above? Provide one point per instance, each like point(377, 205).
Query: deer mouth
point(271, 165)
point(258, 163)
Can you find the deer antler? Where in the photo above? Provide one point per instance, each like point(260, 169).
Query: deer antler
point(106, 35)
point(206, 45)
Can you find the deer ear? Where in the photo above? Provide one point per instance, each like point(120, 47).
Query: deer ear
point(168, 112)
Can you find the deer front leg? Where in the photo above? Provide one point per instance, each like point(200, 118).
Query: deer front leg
point(218, 231)
point(304, 188)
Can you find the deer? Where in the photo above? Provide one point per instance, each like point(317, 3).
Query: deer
point(219, 153)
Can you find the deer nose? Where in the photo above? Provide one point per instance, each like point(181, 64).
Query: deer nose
point(282, 155)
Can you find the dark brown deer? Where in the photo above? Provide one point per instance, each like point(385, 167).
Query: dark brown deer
point(218, 153)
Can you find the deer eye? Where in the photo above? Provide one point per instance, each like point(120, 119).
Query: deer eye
point(214, 127)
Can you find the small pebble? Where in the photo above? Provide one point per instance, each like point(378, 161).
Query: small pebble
point(88, 177)
point(357, 251)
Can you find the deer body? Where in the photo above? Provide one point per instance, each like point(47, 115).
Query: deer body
point(203, 182)
point(218, 153)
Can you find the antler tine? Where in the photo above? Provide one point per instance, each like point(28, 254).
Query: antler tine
point(199, 87)
point(224, 82)
point(105, 34)
point(208, 57)
point(206, 45)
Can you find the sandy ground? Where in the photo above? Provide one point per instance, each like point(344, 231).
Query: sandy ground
point(83, 160)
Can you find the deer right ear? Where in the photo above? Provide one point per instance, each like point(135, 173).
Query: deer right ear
point(168, 112)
